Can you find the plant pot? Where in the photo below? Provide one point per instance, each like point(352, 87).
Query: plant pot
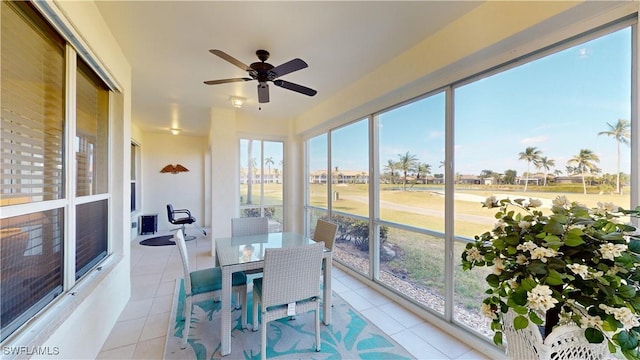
point(563, 343)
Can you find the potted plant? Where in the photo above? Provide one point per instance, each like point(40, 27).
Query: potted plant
point(575, 266)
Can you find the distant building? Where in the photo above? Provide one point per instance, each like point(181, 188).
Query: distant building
point(340, 177)
point(268, 176)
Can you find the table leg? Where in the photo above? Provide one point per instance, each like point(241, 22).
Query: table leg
point(225, 330)
point(327, 295)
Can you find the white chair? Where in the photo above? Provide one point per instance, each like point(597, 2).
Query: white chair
point(205, 284)
point(290, 276)
point(249, 226)
point(325, 231)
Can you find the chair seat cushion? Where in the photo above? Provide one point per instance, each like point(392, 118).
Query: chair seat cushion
point(208, 280)
point(183, 221)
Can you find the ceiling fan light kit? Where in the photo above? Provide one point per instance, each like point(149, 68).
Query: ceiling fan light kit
point(237, 101)
point(264, 72)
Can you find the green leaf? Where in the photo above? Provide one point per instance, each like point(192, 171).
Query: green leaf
point(518, 298)
point(535, 318)
point(627, 341)
point(573, 240)
point(553, 241)
point(499, 244)
point(512, 239)
point(497, 338)
point(594, 336)
point(627, 291)
point(537, 268)
point(554, 227)
point(520, 322)
point(634, 245)
point(527, 284)
point(493, 280)
point(554, 278)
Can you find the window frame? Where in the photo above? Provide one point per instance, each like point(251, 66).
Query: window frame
point(73, 49)
point(449, 236)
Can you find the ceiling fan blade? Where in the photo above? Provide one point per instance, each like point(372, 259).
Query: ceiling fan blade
point(224, 81)
point(263, 92)
point(295, 87)
point(230, 59)
point(288, 67)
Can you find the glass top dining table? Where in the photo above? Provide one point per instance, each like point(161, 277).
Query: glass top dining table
point(246, 253)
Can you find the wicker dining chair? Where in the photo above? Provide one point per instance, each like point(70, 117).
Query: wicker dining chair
point(206, 284)
point(249, 226)
point(325, 231)
point(290, 276)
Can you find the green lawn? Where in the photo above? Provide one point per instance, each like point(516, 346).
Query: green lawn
point(422, 259)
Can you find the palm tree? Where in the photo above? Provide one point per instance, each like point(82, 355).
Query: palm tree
point(546, 164)
point(621, 132)
point(391, 168)
point(406, 163)
point(584, 162)
point(269, 161)
point(422, 168)
point(532, 155)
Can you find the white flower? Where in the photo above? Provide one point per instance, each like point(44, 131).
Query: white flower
point(500, 225)
point(579, 269)
point(608, 206)
point(513, 284)
point(595, 275)
point(528, 246)
point(485, 310)
point(490, 201)
point(474, 254)
point(611, 251)
point(561, 201)
point(521, 259)
point(539, 298)
point(589, 321)
point(542, 254)
point(628, 319)
point(535, 202)
point(498, 266)
point(524, 224)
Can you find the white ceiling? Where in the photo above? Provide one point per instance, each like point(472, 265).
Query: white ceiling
point(167, 44)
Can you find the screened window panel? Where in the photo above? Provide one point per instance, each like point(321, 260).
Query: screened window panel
point(91, 235)
point(32, 108)
point(91, 133)
point(31, 255)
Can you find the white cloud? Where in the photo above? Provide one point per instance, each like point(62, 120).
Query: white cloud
point(534, 140)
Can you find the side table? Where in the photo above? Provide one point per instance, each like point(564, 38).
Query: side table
point(148, 224)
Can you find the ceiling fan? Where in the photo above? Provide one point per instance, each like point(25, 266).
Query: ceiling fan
point(263, 72)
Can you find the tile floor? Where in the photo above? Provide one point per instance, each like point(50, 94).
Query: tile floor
point(142, 327)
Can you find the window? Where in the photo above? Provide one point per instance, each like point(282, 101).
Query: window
point(36, 155)
point(261, 181)
point(411, 197)
point(349, 174)
point(92, 128)
point(135, 156)
point(555, 123)
point(33, 103)
point(547, 130)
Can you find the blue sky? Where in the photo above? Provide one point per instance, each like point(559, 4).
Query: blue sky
point(558, 104)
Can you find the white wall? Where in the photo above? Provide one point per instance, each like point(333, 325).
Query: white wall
point(184, 190)
point(225, 181)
